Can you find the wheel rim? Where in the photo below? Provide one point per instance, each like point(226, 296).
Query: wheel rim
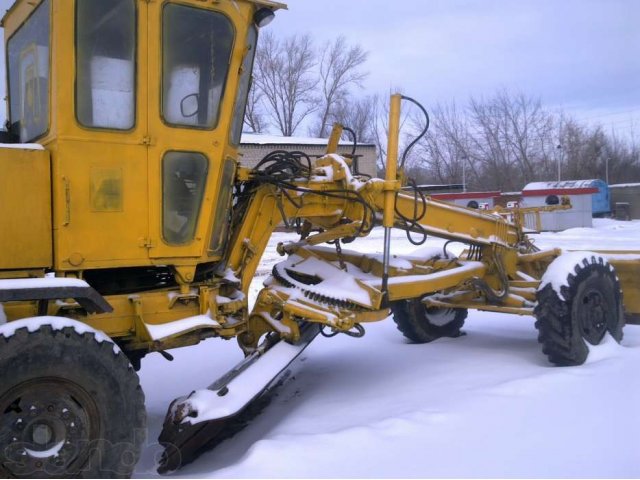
point(593, 312)
point(48, 425)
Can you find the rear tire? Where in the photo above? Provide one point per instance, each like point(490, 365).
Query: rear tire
point(69, 406)
point(589, 305)
point(422, 324)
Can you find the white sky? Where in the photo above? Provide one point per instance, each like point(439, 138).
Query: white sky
point(581, 55)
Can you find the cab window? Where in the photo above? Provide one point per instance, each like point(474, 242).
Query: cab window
point(105, 63)
point(184, 177)
point(196, 53)
point(28, 62)
point(243, 86)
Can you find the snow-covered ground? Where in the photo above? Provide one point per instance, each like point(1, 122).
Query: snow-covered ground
point(484, 405)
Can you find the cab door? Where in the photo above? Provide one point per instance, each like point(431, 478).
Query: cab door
point(100, 155)
point(190, 60)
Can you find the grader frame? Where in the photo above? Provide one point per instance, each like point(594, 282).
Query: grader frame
point(141, 222)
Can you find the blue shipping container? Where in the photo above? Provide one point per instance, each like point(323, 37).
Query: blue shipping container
point(601, 201)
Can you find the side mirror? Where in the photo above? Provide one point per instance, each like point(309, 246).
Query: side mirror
point(190, 105)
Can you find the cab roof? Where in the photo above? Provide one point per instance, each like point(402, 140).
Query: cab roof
point(269, 4)
point(263, 3)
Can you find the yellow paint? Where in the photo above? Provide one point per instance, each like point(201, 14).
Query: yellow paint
point(628, 272)
point(94, 200)
point(25, 209)
point(392, 161)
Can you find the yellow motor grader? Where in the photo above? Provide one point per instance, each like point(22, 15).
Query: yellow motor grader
point(128, 225)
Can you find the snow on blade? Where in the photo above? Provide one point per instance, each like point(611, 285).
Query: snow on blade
point(213, 405)
point(3, 317)
point(33, 324)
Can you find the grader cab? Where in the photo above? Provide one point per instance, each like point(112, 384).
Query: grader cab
point(139, 107)
point(128, 225)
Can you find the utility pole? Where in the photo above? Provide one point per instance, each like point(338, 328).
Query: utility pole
point(606, 170)
point(464, 173)
point(559, 160)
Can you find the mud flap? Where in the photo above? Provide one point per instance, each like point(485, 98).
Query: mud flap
point(201, 420)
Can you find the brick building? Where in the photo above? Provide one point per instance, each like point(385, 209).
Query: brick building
point(254, 147)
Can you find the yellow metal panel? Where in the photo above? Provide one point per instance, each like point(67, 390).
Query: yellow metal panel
point(25, 213)
point(17, 14)
point(100, 201)
point(628, 272)
point(416, 286)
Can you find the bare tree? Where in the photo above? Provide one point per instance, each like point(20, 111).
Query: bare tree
point(380, 126)
point(339, 69)
point(254, 113)
point(508, 140)
point(513, 139)
point(445, 151)
point(585, 151)
point(359, 115)
point(284, 74)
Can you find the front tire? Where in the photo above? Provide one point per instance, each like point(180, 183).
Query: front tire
point(581, 311)
point(70, 405)
point(422, 324)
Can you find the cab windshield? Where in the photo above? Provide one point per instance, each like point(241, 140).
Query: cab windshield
point(197, 47)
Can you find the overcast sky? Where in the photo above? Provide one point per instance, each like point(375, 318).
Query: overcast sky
point(581, 55)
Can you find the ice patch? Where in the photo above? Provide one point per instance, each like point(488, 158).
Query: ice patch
point(33, 324)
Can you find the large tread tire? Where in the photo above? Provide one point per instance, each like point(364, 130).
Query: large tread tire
point(422, 325)
point(58, 386)
point(588, 306)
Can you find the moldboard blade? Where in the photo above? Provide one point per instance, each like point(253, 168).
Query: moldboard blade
point(203, 419)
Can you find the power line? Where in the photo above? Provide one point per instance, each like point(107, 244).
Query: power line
point(624, 112)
